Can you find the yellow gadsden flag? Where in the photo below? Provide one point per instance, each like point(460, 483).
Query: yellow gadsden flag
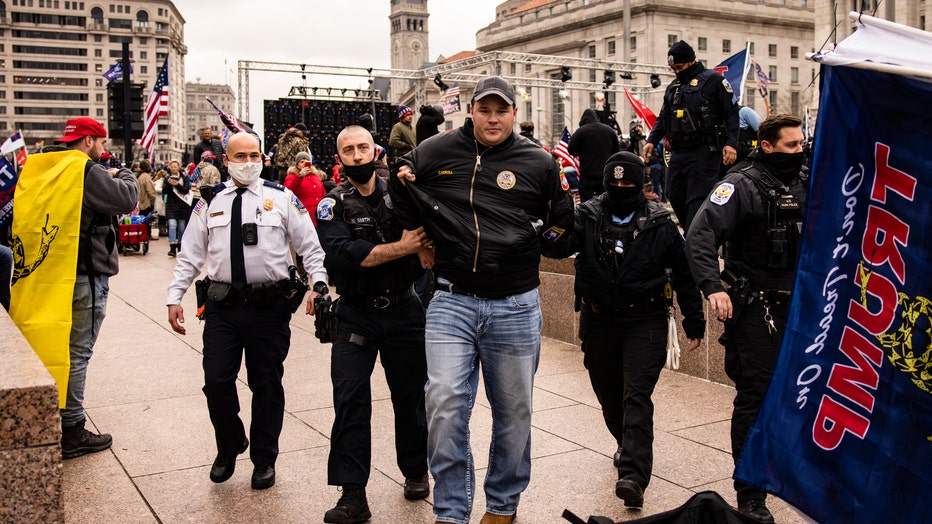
point(46, 228)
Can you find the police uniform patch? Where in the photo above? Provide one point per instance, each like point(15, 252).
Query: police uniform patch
point(325, 209)
point(564, 183)
point(267, 204)
point(505, 180)
point(728, 86)
point(294, 201)
point(619, 172)
point(200, 206)
point(722, 193)
point(694, 82)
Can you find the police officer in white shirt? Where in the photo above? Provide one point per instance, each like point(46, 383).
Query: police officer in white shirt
point(244, 234)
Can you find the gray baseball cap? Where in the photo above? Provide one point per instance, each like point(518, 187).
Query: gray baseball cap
point(494, 85)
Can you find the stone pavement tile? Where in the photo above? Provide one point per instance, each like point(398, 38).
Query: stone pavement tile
point(558, 357)
point(118, 375)
point(307, 382)
point(782, 512)
point(715, 434)
point(687, 463)
point(581, 425)
point(682, 401)
point(584, 482)
point(300, 494)
point(163, 435)
point(574, 385)
point(544, 400)
point(95, 488)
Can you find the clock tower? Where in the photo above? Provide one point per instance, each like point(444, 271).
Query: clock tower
point(408, 39)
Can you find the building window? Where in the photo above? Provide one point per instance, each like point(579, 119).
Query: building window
point(794, 52)
point(592, 51)
point(749, 98)
point(751, 48)
point(143, 70)
point(703, 43)
point(633, 41)
point(100, 97)
point(610, 48)
point(527, 68)
point(773, 101)
point(143, 55)
point(513, 68)
point(794, 75)
point(726, 46)
point(772, 50)
point(98, 68)
point(100, 112)
point(98, 53)
point(794, 104)
point(671, 39)
point(772, 73)
point(592, 75)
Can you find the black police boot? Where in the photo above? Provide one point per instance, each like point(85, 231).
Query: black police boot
point(630, 492)
point(77, 441)
point(616, 458)
point(224, 465)
point(171, 250)
point(351, 508)
point(757, 510)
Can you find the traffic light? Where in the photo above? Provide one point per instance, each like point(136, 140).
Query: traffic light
point(655, 80)
point(115, 109)
point(565, 74)
point(609, 77)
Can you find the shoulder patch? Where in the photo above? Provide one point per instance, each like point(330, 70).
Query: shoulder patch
point(296, 202)
point(505, 180)
point(564, 183)
point(727, 86)
point(269, 183)
point(722, 194)
point(325, 209)
point(200, 206)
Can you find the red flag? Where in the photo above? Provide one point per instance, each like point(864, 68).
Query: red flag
point(21, 157)
point(643, 112)
point(156, 106)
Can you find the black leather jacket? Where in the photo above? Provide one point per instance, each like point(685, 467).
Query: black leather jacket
point(491, 212)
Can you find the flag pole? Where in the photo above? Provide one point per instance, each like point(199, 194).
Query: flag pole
point(744, 71)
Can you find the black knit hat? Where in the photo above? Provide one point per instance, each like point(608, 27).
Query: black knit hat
point(624, 166)
point(680, 53)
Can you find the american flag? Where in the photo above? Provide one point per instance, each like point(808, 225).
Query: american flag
point(451, 92)
point(235, 125)
point(156, 106)
point(560, 151)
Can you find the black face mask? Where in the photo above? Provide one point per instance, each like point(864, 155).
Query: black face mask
point(360, 174)
point(785, 166)
point(621, 201)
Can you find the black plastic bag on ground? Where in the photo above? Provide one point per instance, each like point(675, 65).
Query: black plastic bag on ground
point(707, 507)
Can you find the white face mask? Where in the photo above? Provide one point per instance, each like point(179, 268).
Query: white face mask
point(245, 172)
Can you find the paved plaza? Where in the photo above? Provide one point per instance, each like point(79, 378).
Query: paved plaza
point(144, 387)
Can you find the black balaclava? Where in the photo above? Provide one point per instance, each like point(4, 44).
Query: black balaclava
point(621, 201)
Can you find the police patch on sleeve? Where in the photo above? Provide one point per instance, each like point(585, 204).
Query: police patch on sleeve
point(553, 233)
point(296, 202)
point(722, 193)
point(728, 86)
point(325, 209)
point(199, 207)
point(564, 183)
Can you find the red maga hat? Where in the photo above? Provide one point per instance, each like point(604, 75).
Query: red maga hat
point(77, 128)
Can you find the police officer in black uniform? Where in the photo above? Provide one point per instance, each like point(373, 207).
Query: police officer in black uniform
point(700, 121)
point(630, 253)
point(757, 213)
point(244, 235)
point(373, 263)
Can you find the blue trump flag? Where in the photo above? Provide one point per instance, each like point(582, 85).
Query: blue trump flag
point(845, 432)
point(8, 178)
point(735, 69)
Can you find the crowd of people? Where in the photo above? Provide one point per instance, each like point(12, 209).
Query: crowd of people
point(476, 206)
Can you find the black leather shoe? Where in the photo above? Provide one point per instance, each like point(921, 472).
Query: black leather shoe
point(630, 492)
point(224, 465)
point(417, 489)
point(757, 510)
point(263, 477)
point(616, 459)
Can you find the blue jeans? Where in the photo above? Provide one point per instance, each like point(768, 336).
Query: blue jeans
point(503, 337)
point(88, 309)
point(176, 229)
point(6, 274)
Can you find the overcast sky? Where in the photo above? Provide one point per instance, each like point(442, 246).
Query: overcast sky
point(320, 32)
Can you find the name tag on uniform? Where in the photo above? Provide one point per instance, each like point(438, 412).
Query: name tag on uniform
point(216, 214)
point(788, 203)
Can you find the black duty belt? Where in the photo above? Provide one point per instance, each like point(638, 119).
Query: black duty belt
point(776, 297)
point(450, 287)
point(648, 305)
point(383, 301)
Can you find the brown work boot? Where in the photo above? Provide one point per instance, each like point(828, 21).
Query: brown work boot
point(492, 518)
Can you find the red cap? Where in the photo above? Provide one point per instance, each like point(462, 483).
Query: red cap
point(105, 156)
point(78, 128)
